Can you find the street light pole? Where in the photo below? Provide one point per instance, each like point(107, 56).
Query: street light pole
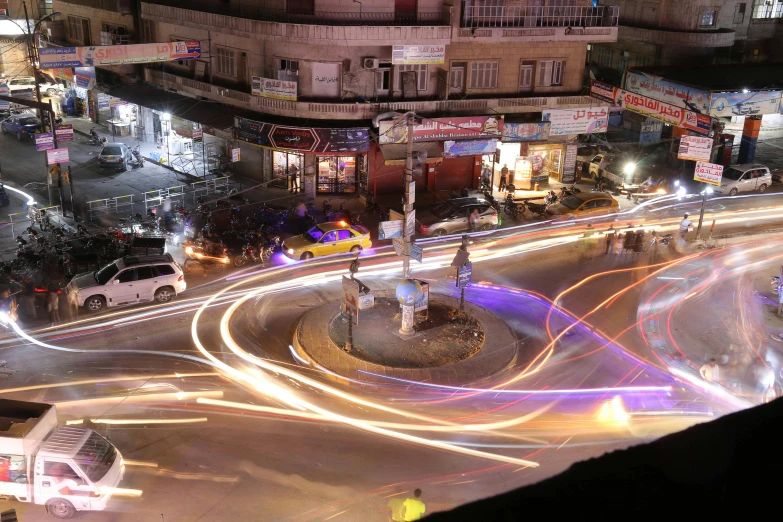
point(707, 190)
point(408, 208)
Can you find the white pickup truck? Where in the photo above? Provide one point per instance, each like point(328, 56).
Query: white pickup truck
point(66, 469)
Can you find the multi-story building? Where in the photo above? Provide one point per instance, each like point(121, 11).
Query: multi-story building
point(14, 24)
point(491, 58)
point(667, 32)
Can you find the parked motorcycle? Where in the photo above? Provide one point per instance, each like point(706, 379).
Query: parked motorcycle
point(137, 160)
point(94, 139)
point(538, 209)
point(205, 256)
point(512, 207)
point(568, 191)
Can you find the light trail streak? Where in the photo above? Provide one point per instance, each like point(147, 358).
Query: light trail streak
point(130, 422)
point(107, 380)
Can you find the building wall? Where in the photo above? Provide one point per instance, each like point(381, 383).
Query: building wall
point(14, 60)
point(96, 18)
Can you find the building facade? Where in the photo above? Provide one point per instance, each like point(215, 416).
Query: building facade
point(699, 32)
point(327, 67)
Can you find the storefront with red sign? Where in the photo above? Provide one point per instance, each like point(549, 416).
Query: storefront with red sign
point(333, 158)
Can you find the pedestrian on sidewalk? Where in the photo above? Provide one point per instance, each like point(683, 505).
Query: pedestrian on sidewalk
point(710, 372)
point(610, 237)
point(293, 174)
point(53, 304)
point(474, 220)
point(503, 178)
point(301, 213)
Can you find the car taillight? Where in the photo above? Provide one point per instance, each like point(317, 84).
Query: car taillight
point(181, 278)
point(494, 214)
point(122, 159)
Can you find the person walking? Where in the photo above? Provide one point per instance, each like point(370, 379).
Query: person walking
point(629, 241)
point(474, 220)
point(710, 371)
point(503, 177)
point(610, 237)
point(685, 226)
point(53, 304)
point(301, 213)
point(293, 174)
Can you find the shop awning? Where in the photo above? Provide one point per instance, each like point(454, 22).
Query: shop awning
point(396, 153)
point(208, 114)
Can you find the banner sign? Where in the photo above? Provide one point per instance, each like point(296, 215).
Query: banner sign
point(64, 132)
point(728, 104)
point(525, 131)
point(669, 92)
point(302, 139)
point(350, 299)
point(5, 91)
point(708, 173)
point(695, 148)
point(453, 149)
point(577, 121)
point(569, 163)
point(658, 110)
point(44, 141)
point(236, 155)
point(56, 156)
point(56, 57)
point(389, 229)
point(85, 77)
point(271, 88)
point(417, 54)
point(441, 129)
point(63, 74)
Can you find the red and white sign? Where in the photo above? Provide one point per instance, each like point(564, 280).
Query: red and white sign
point(695, 148)
point(57, 156)
point(658, 110)
point(708, 173)
point(235, 154)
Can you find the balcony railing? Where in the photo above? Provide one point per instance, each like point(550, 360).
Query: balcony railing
point(359, 17)
point(527, 16)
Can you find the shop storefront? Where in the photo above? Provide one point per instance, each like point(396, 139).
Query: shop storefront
point(324, 161)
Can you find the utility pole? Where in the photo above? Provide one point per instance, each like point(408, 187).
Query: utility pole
point(408, 205)
point(707, 190)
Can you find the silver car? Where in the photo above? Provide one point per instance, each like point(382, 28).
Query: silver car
point(451, 217)
point(115, 156)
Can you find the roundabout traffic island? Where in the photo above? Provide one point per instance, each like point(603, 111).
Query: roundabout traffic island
point(447, 348)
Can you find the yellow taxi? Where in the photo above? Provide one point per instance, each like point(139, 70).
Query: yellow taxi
point(326, 239)
point(584, 204)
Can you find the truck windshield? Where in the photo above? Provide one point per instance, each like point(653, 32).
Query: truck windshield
point(96, 457)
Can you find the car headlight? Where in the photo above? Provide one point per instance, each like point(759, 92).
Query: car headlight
point(290, 251)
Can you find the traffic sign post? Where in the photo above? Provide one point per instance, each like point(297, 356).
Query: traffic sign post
point(464, 270)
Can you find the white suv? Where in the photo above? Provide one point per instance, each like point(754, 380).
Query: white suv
point(25, 83)
point(130, 280)
point(744, 178)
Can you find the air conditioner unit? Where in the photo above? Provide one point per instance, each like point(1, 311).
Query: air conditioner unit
point(370, 62)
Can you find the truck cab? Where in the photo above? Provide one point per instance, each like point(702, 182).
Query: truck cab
point(66, 469)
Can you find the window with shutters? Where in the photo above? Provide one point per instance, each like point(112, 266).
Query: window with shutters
point(707, 18)
point(225, 62)
point(526, 70)
point(550, 73)
point(287, 70)
point(79, 30)
point(483, 75)
point(767, 9)
point(147, 31)
point(421, 75)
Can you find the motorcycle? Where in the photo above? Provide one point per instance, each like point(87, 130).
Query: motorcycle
point(550, 198)
point(94, 139)
point(204, 257)
point(512, 207)
point(538, 209)
point(249, 253)
point(138, 160)
point(568, 191)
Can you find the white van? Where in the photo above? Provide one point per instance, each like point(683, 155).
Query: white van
point(744, 178)
point(130, 280)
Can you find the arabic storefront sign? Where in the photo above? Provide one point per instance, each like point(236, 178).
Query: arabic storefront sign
point(708, 173)
point(5, 91)
point(56, 156)
point(649, 107)
point(236, 155)
point(569, 163)
point(54, 57)
point(302, 139)
point(525, 131)
point(602, 91)
point(271, 88)
point(589, 120)
point(669, 92)
point(65, 73)
point(85, 77)
point(441, 129)
point(417, 54)
point(64, 132)
point(325, 79)
point(104, 102)
point(452, 149)
point(728, 104)
point(44, 141)
point(695, 148)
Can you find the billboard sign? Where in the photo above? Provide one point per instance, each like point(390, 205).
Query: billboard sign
point(728, 104)
point(85, 77)
point(441, 129)
point(5, 91)
point(57, 57)
point(695, 148)
point(652, 108)
point(271, 88)
point(56, 156)
point(525, 131)
point(302, 139)
point(64, 132)
point(708, 173)
point(672, 93)
point(418, 54)
point(44, 141)
point(453, 149)
point(587, 120)
point(389, 229)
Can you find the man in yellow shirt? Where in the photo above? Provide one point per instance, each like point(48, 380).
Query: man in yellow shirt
point(409, 509)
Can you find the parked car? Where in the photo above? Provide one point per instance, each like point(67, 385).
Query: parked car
point(451, 216)
point(51, 89)
point(115, 156)
point(23, 125)
point(326, 239)
point(21, 83)
point(584, 154)
point(584, 204)
point(744, 178)
point(129, 280)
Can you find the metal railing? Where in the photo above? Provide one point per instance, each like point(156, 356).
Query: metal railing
point(33, 216)
point(154, 198)
point(209, 186)
point(528, 16)
point(270, 12)
point(110, 205)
